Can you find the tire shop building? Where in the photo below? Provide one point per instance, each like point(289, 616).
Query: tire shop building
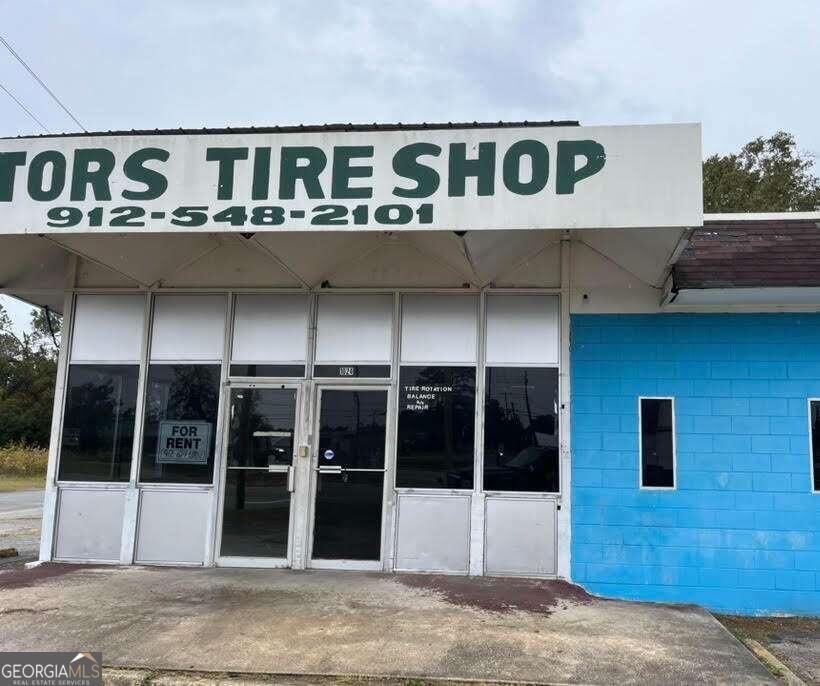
point(501, 349)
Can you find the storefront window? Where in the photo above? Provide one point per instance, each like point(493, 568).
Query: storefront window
point(262, 427)
point(436, 426)
point(657, 422)
point(521, 430)
point(181, 407)
point(98, 426)
point(815, 443)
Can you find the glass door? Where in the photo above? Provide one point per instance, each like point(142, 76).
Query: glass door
point(259, 476)
point(349, 469)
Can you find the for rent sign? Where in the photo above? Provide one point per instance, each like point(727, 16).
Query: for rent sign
point(183, 442)
point(454, 179)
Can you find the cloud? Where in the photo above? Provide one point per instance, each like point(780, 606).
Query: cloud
point(212, 63)
point(743, 69)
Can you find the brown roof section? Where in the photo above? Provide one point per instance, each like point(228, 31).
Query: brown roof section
point(751, 253)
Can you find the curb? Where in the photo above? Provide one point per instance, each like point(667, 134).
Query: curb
point(142, 676)
point(788, 676)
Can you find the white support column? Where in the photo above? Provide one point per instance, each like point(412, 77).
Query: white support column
point(565, 502)
point(221, 429)
point(132, 500)
point(477, 501)
point(50, 495)
point(300, 500)
point(390, 496)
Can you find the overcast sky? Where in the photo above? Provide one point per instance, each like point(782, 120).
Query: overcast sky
point(743, 69)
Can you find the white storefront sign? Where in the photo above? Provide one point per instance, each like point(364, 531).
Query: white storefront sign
point(182, 442)
point(538, 177)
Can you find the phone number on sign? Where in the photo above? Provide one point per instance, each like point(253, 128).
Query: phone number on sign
point(240, 215)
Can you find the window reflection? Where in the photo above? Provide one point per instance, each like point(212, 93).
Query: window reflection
point(352, 429)
point(261, 431)
point(98, 426)
point(348, 516)
point(436, 427)
point(521, 430)
point(348, 505)
point(256, 515)
point(180, 423)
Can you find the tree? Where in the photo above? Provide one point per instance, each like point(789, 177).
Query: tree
point(45, 330)
point(28, 369)
point(768, 175)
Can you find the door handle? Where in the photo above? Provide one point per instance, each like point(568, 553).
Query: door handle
point(291, 480)
point(330, 469)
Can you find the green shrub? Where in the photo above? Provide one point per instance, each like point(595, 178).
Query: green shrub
point(22, 460)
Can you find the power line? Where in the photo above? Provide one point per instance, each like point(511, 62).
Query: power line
point(40, 81)
point(24, 108)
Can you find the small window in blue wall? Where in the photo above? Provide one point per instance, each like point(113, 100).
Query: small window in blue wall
point(657, 434)
point(814, 419)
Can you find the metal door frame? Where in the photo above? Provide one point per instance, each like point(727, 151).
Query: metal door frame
point(359, 565)
point(247, 561)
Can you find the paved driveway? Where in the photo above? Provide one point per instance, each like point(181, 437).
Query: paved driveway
point(347, 623)
point(20, 516)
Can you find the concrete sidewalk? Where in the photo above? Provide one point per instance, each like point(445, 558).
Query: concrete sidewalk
point(346, 623)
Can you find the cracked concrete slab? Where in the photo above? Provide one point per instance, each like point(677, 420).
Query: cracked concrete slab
point(349, 623)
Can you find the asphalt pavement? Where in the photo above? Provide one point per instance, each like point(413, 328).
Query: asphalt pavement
point(20, 515)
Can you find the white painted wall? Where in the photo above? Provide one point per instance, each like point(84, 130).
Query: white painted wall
point(270, 328)
point(188, 327)
point(354, 328)
point(522, 330)
point(438, 328)
point(108, 328)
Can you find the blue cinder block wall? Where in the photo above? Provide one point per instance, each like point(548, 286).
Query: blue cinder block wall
point(741, 531)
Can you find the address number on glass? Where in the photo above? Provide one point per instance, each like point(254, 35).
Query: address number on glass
point(131, 216)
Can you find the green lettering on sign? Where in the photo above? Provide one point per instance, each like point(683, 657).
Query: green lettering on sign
point(9, 161)
point(226, 157)
point(568, 175)
point(407, 165)
point(290, 170)
point(343, 172)
point(83, 175)
point(36, 175)
point(540, 161)
point(482, 167)
point(155, 182)
point(261, 174)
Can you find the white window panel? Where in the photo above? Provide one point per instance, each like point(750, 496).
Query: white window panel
point(439, 328)
point(270, 328)
point(188, 327)
point(522, 329)
point(108, 328)
point(354, 328)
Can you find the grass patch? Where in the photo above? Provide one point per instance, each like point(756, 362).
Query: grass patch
point(21, 483)
point(22, 468)
point(22, 460)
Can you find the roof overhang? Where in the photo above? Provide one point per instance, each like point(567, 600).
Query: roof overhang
point(39, 269)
